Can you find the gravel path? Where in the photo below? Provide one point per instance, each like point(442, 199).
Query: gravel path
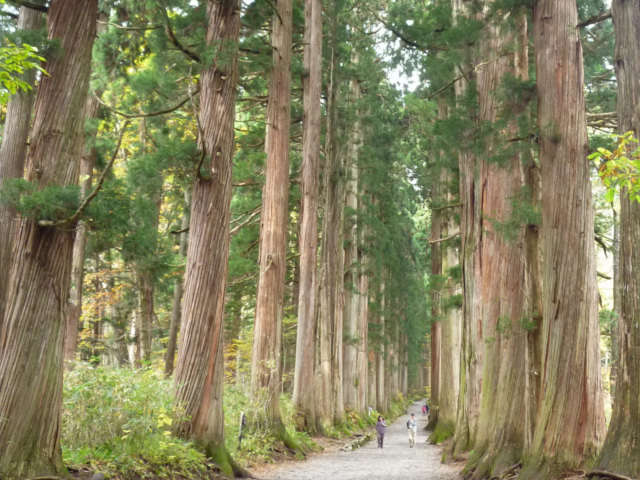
point(395, 462)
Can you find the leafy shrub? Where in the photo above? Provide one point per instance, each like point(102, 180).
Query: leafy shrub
point(117, 420)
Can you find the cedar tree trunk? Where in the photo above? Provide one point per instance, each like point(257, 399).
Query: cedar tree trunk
point(267, 335)
point(13, 154)
point(32, 341)
point(304, 395)
point(501, 424)
point(570, 424)
point(199, 371)
point(331, 253)
point(351, 277)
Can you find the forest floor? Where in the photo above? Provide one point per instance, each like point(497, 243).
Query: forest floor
point(396, 461)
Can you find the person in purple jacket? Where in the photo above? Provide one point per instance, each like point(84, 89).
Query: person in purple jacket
point(381, 427)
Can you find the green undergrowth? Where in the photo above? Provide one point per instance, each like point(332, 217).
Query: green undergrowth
point(258, 444)
point(118, 421)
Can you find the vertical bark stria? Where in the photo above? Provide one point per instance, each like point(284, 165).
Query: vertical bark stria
point(267, 335)
point(304, 397)
point(381, 402)
point(501, 422)
point(13, 154)
point(362, 368)
point(436, 271)
point(450, 331)
point(331, 252)
point(351, 277)
point(620, 452)
point(471, 228)
point(615, 349)
point(176, 309)
point(32, 341)
point(199, 370)
point(570, 424)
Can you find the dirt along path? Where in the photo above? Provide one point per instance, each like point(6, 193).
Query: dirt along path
point(396, 461)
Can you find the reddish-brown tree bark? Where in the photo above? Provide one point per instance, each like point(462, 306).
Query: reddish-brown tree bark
point(304, 395)
point(437, 196)
point(13, 155)
point(267, 335)
point(570, 422)
point(32, 341)
point(363, 333)
point(621, 451)
point(331, 252)
point(501, 423)
point(471, 235)
point(381, 391)
point(199, 371)
point(351, 277)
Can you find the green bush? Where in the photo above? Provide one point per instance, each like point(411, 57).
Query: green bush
point(118, 421)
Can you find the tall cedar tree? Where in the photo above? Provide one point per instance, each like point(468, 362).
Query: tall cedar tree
point(304, 397)
point(620, 452)
point(199, 373)
point(330, 310)
point(501, 422)
point(471, 235)
point(437, 192)
point(570, 424)
point(266, 361)
point(351, 295)
point(32, 342)
point(13, 154)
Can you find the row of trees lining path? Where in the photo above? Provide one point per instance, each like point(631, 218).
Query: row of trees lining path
point(359, 242)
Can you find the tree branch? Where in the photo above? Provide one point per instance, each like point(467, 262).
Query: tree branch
point(237, 228)
point(152, 27)
point(10, 15)
point(460, 77)
point(172, 38)
point(32, 6)
point(275, 9)
point(601, 116)
point(76, 216)
point(596, 19)
point(408, 41)
point(431, 242)
point(447, 206)
point(145, 115)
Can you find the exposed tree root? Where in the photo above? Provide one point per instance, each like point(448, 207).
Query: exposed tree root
point(282, 435)
point(227, 465)
point(508, 473)
point(603, 474)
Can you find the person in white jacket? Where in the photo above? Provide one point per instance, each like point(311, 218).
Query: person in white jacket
point(412, 428)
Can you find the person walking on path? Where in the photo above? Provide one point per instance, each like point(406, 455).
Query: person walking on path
point(412, 427)
point(424, 410)
point(381, 428)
